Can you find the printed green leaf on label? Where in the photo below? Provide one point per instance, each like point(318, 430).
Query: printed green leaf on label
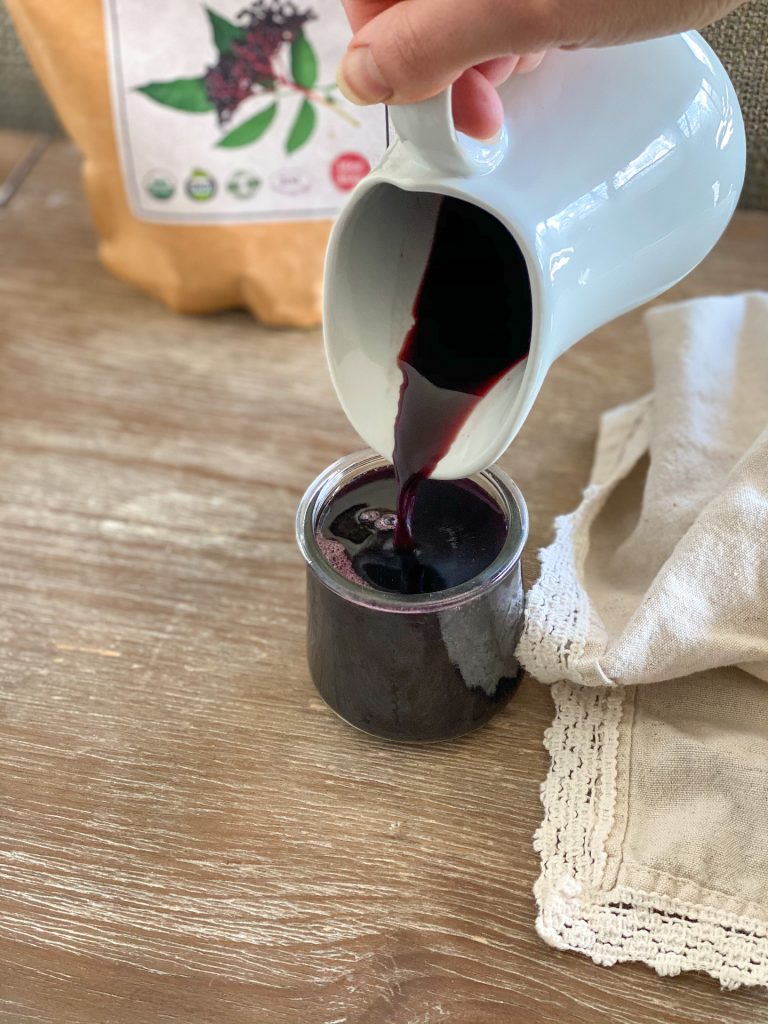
point(250, 130)
point(303, 62)
point(302, 127)
point(251, 60)
point(182, 94)
point(224, 32)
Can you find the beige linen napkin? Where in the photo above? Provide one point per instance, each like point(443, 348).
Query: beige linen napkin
point(650, 618)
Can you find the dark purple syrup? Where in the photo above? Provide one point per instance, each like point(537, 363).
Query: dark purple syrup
point(457, 529)
point(430, 673)
point(472, 325)
point(415, 671)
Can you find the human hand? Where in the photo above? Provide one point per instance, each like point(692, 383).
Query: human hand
point(409, 50)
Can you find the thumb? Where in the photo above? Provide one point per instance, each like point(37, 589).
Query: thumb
point(415, 48)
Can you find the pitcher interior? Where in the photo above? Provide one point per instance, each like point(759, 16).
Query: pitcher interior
point(438, 281)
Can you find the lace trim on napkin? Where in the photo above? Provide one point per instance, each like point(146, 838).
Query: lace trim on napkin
point(620, 923)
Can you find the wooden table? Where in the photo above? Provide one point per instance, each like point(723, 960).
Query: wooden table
point(187, 834)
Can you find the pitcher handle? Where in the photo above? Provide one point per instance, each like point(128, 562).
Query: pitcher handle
point(428, 127)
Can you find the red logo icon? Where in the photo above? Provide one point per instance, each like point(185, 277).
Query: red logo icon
point(347, 169)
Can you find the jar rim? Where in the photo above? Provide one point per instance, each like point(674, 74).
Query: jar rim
point(335, 477)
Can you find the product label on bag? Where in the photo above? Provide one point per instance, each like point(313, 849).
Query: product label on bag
point(229, 112)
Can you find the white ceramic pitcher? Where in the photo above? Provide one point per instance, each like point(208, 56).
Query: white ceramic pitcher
point(616, 172)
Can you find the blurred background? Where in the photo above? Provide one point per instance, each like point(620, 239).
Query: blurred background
point(741, 41)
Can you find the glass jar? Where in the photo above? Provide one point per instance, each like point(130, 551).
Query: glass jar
point(414, 667)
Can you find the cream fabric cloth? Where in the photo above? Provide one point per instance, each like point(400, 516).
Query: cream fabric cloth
point(650, 618)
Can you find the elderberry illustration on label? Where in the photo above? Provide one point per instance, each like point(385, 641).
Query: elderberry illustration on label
point(245, 91)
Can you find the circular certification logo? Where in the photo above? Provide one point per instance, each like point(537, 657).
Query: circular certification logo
point(347, 169)
point(200, 186)
point(159, 184)
point(243, 184)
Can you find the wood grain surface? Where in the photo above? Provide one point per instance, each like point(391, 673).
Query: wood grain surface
point(18, 152)
point(188, 835)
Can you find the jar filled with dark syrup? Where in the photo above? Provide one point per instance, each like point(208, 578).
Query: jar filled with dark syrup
point(414, 645)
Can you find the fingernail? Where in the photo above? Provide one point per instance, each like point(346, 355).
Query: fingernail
point(359, 78)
